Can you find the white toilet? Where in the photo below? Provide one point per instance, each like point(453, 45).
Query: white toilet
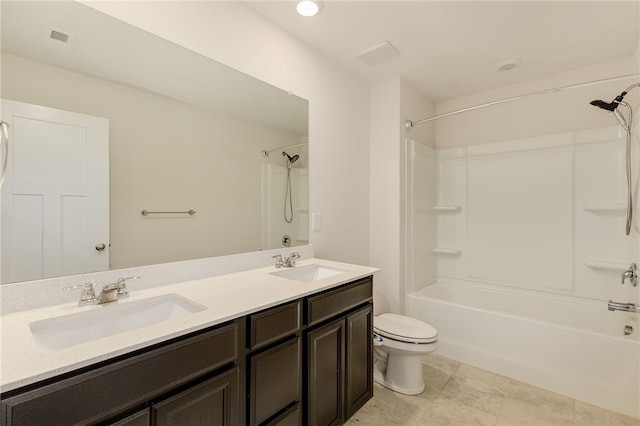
point(399, 342)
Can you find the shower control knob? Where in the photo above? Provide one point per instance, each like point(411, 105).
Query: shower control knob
point(631, 274)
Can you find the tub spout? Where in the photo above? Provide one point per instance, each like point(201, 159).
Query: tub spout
point(626, 307)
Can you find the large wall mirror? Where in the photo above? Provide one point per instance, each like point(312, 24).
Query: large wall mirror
point(128, 150)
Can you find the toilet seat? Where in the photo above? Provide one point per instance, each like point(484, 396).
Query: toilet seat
point(404, 329)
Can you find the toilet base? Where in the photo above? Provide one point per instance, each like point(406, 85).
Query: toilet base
point(400, 373)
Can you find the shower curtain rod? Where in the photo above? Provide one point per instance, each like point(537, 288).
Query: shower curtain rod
point(408, 124)
point(266, 153)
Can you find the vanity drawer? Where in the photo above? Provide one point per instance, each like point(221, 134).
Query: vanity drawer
point(332, 302)
point(270, 325)
point(275, 380)
point(118, 386)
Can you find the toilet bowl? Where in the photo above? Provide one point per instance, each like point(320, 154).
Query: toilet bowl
point(400, 342)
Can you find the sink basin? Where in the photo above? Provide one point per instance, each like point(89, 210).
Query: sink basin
point(308, 273)
point(109, 319)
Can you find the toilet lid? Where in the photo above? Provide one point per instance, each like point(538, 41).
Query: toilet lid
point(404, 328)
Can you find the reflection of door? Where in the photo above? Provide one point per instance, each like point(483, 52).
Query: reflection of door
point(55, 200)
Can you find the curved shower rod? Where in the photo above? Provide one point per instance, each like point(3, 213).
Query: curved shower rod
point(266, 153)
point(409, 124)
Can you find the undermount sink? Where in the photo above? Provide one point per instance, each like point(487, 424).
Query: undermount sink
point(308, 273)
point(109, 319)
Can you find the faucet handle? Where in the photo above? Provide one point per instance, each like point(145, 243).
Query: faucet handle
point(122, 285)
point(279, 260)
point(291, 260)
point(632, 274)
point(88, 295)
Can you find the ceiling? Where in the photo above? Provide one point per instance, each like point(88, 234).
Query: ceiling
point(450, 49)
point(104, 47)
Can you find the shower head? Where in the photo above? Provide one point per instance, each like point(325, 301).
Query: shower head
point(292, 158)
point(611, 106)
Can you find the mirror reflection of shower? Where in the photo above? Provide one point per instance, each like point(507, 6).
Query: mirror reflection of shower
point(288, 208)
point(285, 194)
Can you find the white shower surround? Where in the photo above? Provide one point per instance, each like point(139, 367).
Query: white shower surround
point(514, 249)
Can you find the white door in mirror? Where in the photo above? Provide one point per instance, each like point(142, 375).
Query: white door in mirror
point(55, 200)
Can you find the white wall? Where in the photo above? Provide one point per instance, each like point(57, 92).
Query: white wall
point(391, 101)
point(231, 33)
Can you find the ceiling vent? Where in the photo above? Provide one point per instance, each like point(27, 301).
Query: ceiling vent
point(60, 36)
point(379, 53)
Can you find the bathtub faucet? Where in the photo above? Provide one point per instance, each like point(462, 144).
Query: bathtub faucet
point(626, 307)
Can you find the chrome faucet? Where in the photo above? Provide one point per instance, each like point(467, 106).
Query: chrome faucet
point(279, 260)
point(291, 260)
point(287, 262)
point(625, 307)
point(88, 295)
point(109, 293)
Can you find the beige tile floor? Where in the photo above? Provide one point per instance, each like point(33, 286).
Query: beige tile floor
point(461, 395)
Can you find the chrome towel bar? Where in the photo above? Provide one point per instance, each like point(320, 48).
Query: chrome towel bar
point(145, 212)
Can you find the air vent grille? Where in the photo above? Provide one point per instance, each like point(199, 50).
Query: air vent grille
point(57, 35)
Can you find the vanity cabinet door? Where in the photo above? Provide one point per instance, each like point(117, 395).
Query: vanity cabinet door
point(359, 359)
point(325, 383)
point(212, 403)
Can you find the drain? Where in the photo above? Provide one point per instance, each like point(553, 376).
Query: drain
point(628, 330)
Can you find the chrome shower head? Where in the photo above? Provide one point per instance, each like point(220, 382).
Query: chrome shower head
point(292, 158)
point(611, 106)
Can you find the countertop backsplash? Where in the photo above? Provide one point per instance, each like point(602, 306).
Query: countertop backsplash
point(15, 297)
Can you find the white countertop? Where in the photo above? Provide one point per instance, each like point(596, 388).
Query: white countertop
point(23, 361)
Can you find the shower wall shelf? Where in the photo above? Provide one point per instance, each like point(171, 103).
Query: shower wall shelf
point(607, 265)
point(445, 209)
point(448, 251)
point(604, 208)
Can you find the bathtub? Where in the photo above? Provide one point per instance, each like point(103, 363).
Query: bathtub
point(571, 346)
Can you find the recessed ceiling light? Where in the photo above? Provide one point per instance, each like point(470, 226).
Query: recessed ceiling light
point(507, 65)
point(308, 7)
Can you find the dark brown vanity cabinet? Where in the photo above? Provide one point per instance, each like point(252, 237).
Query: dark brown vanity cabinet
point(339, 353)
point(274, 365)
point(197, 374)
point(305, 362)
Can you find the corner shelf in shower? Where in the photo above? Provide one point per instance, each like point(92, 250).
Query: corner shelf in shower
point(447, 251)
point(446, 209)
point(607, 265)
point(604, 208)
